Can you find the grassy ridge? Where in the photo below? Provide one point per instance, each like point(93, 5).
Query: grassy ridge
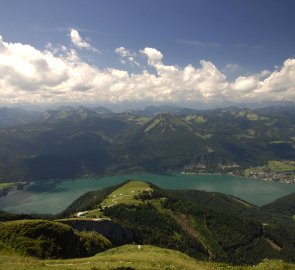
point(145, 258)
point(47, 239)
point(126, 193)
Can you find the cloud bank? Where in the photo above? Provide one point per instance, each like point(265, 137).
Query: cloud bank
point(59, 75)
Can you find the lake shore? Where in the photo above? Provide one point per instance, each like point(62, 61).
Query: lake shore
point(64, 192)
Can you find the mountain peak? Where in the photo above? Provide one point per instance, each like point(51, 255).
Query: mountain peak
point(164, 122)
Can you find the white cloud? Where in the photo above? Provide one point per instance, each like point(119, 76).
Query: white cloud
point(154, 56)
point(126, 56)
point(79, 42)
point(59, 75)
point(245, 84)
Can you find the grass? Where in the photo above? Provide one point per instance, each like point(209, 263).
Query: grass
point(250, 115)
point(132, 256)
point(251, 132)
point(197, 118)
point(249, 171)
point(246, 136)
point(123, 195)
point(204, 136)
point(210, 150)
point(152, 125)
point(5, 185)
point(96, 213)
point(277, 142)
point(281, 166)
point(126, 194)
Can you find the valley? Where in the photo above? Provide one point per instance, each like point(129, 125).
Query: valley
point(147, 135)
point(78, 142)
point(196, 173)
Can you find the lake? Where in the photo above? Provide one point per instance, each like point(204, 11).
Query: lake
point(53, 196)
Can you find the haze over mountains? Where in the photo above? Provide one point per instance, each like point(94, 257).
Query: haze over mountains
point(78, 141)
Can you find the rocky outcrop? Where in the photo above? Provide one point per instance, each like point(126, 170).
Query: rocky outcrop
point(112, 231)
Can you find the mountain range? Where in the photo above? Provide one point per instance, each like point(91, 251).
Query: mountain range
point(77, 141)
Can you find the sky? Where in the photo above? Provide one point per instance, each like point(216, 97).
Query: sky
point(136, 52)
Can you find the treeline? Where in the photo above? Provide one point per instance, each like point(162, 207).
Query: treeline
point(89, 200)
point(233, 232)
point(241, 240)
point(224, 228)
point(284, 205)
point(154, 228)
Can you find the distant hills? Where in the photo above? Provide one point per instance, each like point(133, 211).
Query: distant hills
point(13, 117)
point(73, 142)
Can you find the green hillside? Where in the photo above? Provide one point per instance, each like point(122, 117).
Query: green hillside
point(203, 225)
point(47, 239)
point(202, 230)
point(129, 257)
point(282, 206)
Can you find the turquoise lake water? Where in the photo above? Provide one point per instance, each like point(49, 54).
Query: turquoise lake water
point(54, 196)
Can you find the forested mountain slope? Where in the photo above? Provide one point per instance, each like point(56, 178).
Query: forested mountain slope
point(77, 142)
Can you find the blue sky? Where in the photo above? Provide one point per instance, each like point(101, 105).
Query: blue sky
point(247, 42)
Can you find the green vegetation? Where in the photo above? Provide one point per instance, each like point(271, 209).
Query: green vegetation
point(196, 118)
point(47, 239)
point(204, 136)
point(89, 200)
point(281, 166)
point(160, 230)
point(193, 222)
point(4, 216)
point(250, 115)
point(277, 142)
point(79, 142)
point(129, 257)
point(4, 185)
point(277, 170)
point(282, 206)
point(126, 194)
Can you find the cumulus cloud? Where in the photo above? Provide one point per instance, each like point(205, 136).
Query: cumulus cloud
point(79, 42)
point(57, 75)
point(154, 56)
point(126, 56)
